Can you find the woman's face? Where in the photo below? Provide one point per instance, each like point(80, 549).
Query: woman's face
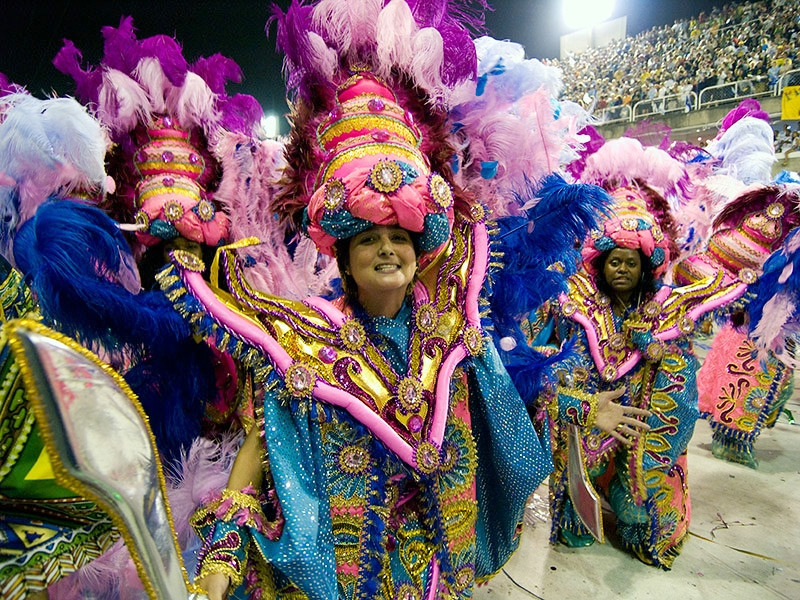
point(623, 270)
point(382, 261)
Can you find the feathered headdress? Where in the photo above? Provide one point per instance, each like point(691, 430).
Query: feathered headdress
point(374, 171)
point(369, 85)
point(164, 114)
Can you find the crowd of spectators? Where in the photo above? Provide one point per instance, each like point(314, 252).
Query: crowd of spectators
point(750, 42)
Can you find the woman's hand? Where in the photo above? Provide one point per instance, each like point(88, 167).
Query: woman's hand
point(215, 585)
point(620, 422)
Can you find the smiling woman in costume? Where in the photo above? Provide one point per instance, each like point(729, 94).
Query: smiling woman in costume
point(392, 455)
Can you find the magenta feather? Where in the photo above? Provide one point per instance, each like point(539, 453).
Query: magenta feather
point(87, 82)
point(121, 49)
point(169, 54)
point(217, 70)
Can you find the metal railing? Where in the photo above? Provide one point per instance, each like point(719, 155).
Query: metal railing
point(672, 103)
point(707, 98)
point(735, 90)
point(615, 114)
point(789, 78)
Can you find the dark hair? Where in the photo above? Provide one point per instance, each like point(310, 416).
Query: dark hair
point(646, 284)
point(349, 286)
point(152, 261)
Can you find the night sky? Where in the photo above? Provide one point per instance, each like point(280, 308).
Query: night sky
point(31, 32)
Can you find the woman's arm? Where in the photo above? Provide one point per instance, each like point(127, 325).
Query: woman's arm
point(247, 472)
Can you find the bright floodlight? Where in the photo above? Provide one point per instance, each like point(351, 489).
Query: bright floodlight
point(270, 124)
point(586, 13)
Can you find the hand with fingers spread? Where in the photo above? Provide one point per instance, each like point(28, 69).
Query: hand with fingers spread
point(623, 423)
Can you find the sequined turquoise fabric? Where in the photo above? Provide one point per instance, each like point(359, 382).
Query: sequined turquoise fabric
point(361, 524)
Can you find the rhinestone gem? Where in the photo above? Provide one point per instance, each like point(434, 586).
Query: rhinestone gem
point(335, 194)
point(775, 210)
point(375, 105)
point(616, 341)
point(167, 156)
point(168, 181)
point(415, 424)
point(327, 354)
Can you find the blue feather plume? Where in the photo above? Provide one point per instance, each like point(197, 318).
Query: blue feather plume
point(539, 252)
point(75, 258)
point(774, 308)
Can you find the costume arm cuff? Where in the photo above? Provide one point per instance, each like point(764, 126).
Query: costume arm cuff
point(576, 407)
point(225, 523)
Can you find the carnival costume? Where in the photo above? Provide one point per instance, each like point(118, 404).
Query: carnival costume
point(51, 154)
point(166, 116)
point(397, 453)
point(741, 389)
point(646, 351)
point(392, 444)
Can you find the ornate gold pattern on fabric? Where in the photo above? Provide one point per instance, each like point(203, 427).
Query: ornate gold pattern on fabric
point(62, 476)
point(386, 176)
point(367, 122)
point(190, 192)
point(372, 149)
point(441, 192)
point(344, 357)
point(299, 379)
point(335, 194)
point(189, 261)
point(615, 345)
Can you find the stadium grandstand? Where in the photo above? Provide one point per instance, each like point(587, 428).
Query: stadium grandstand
point(688, 74)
